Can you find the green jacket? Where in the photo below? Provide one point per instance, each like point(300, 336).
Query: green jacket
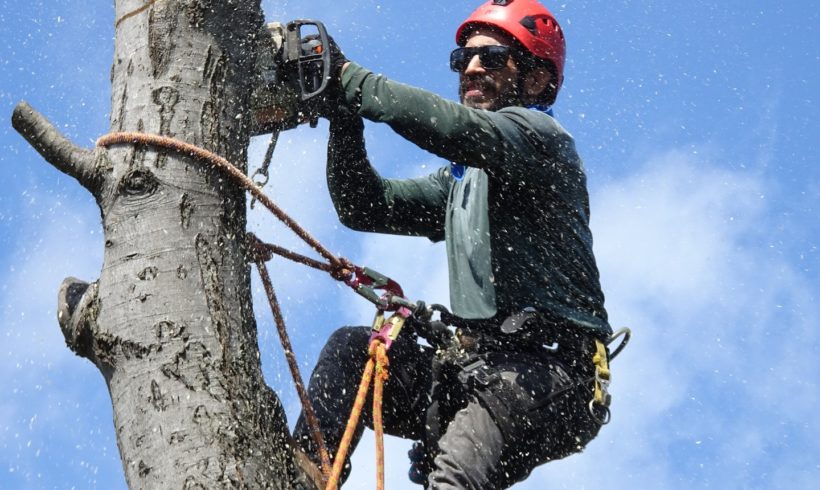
point(516, 226)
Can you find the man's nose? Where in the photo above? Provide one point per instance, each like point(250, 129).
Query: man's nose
point(474, 66)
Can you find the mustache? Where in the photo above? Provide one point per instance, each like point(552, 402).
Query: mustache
point(480, 81)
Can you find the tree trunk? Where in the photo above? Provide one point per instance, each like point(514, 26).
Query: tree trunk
point(170, 323)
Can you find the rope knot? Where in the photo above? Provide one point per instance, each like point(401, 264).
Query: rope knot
point(378, 352)
point(259, 250)
point(341, 269)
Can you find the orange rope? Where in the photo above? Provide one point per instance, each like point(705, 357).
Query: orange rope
point(377, 364)
point(382, 363)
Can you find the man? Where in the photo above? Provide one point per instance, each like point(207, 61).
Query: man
point(514, 389)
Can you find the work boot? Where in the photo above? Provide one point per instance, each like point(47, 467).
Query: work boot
point(418, 464)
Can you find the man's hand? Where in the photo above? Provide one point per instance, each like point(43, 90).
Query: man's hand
point(332, 104)
point(338, 61)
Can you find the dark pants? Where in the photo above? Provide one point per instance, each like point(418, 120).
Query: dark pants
point(487, 418)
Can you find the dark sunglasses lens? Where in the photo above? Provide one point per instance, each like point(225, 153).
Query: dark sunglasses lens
point(492, 57)
point(459, 59)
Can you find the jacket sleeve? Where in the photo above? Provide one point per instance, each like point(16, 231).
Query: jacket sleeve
point(365, 201)
point(510, 140)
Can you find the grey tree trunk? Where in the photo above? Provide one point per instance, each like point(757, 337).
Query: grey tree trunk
point(169, 323)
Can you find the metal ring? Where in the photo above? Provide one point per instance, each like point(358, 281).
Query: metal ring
point(261, 182)
point(601, 420)
point(626, 334)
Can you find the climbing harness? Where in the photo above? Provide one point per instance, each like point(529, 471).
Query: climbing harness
point(366, 282)
point(599, 404)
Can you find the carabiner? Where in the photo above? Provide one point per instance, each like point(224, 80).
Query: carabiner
point(366, 282)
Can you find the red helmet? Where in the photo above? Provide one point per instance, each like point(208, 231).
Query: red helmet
point(529, 22)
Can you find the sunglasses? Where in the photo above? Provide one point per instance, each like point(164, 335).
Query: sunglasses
point(492, 57)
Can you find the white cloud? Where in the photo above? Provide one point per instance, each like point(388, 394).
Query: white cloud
point(670, 228)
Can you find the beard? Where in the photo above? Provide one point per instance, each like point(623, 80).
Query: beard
point(483, 92)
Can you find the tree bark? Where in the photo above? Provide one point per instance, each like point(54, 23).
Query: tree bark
point(169, 323)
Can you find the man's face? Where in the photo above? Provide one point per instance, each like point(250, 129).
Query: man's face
point(488, 89)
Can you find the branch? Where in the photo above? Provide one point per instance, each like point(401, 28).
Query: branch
point(64, 155)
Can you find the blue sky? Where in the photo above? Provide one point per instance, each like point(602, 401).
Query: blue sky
point(695, 122)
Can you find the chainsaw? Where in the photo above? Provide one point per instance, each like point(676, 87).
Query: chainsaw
point(294, 71)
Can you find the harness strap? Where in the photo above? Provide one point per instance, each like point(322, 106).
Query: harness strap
point(601, 397)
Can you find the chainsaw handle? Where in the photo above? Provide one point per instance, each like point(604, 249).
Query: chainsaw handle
point(294, 29)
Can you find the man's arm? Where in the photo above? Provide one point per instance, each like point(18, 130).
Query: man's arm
point(504, 140)
point(366, 202)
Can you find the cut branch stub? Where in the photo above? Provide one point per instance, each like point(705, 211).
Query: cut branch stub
point(77, 314)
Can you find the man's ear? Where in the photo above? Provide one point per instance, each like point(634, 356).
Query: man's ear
point(536, 82)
